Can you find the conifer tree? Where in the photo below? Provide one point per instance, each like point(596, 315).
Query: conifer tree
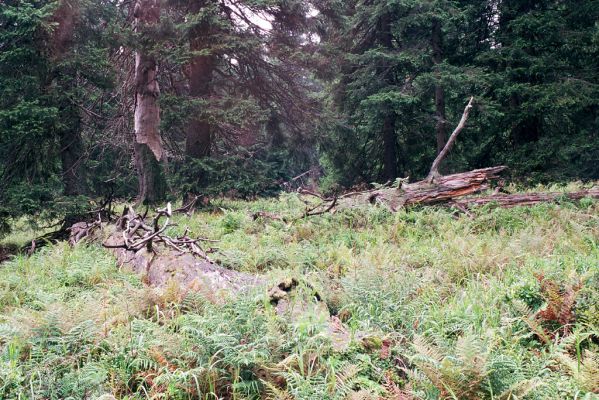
point(148, 143)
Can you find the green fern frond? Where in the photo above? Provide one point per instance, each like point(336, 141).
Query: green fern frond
point(519, 389)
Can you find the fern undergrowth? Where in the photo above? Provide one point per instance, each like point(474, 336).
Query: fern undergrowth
point(429, 304)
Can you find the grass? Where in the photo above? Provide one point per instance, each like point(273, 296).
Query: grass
point(437, 305)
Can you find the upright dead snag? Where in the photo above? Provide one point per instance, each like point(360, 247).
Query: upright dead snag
point(148, 145)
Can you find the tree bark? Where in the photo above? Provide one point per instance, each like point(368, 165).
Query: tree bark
point(148, 145)
point(151, 181)
point(71, 143)
point(390, 147)
point(389, 136)
point(451, 190)
point(199, 131)
point(441, 124)
point(525, 199)
point(434, 172)
point(71, 151)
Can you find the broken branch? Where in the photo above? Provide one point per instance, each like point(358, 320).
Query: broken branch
point(434, 172)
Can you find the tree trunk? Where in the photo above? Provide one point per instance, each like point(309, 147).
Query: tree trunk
point(390, 147)
point(441, 125)
point(151, 182)
point(434, 172)
point(199, 132)
point(71, 143)
point(525, 199)
point(71, 152)
point(148, 145)
point(389, 137)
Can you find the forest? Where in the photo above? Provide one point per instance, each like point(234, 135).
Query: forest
point(299, 199)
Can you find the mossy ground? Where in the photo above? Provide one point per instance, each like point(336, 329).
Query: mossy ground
point(441, 305)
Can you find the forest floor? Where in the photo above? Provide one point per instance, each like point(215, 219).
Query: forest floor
point(495, 304)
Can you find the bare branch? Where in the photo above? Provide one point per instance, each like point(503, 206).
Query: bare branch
point(434, 173)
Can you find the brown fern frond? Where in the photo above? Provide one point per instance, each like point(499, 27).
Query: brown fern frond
point(560, 301)
point(345, 375)
point(393, 391)
point(272, 392)
point(157, 356)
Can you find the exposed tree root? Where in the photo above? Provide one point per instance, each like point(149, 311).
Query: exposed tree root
point(142, 245)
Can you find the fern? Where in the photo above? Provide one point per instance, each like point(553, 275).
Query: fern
point(519, 389)
point(272, 392)
point(560, 301)
point(529, 318)
point(584, 371)
point(345, 380)
point(468, 371)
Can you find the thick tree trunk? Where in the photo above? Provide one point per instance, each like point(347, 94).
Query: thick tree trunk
point(525, 199)
point(148, 144)
point(441, 125)
point(445, 189)
point(273, 130)
point(452, 190)
point(151, 181)
point(65, 17)
point(71, 158)
point(199, 132)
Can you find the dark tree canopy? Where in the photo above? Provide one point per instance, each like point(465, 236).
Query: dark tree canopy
point(252, 93)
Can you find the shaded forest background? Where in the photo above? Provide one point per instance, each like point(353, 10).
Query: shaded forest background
point(245, 95)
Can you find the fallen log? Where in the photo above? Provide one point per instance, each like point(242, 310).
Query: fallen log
point(444, 189)
point(150, 253)
point(436, 188)
point(143, 247)
point(525, 199)
point(455, 190)
point(452, 189)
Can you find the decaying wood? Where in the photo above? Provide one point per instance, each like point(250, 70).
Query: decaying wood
point(444, 189)
point(434, 172)
point(142, 245)
point(137, 234)
point(147, 111)
point(455, 190)
point(452, 189)
point(526, 199)
point(189, 207)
